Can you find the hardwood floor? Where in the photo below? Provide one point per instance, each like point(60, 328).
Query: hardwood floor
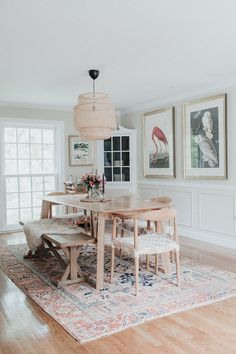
point(25, 328)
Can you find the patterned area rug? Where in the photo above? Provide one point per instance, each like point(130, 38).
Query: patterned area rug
point(87, 314)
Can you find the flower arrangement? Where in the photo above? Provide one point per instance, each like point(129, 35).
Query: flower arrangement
point(91, 181)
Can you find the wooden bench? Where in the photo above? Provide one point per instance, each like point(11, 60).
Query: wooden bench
point(70, 244)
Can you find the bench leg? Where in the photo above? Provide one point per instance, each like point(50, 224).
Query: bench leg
point(73, 274)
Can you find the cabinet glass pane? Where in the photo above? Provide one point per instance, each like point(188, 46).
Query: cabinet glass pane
point(116, 143)
point(125, 159)
point(116, 159)
point(126, 174)
point(107, 145)
point(107, 159)
point(125, 143)
point(116, 174)
point(108, 173)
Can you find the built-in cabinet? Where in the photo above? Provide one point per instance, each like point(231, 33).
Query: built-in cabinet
point(117, 160)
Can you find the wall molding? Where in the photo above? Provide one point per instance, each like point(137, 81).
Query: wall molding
point(188, 184)
point(222, 235)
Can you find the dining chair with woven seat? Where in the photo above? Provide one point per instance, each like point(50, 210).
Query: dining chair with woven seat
point(150, 243)
point(78, 217)
point(144, 226)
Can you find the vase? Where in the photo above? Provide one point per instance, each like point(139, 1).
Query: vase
point(94, 193)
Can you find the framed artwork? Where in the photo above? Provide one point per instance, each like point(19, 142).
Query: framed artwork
point(159, 145)
point(80, 152)
point(205, 140)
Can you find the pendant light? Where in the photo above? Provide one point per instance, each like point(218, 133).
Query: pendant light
point(94, 116)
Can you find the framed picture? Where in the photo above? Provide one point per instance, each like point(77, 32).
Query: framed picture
point(159, 149)
point(205, 141)
point(80, 152)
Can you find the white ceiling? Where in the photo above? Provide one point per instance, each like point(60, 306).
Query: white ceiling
point(147, 51)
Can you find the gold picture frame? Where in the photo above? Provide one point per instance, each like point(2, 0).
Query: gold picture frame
point(205, 138)
point(159, 143)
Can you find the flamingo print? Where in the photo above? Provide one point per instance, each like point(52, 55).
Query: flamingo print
point(160, 136)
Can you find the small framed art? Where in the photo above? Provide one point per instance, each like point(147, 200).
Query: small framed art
point(205, 139)
point(80, 152)
point(159, 144)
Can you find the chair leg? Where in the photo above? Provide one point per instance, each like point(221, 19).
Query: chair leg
point(112, 262)
point(177, 267)
point(147, 262)
point(156, 263)
point(136, 275)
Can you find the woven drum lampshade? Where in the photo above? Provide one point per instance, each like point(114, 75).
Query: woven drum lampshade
point(94, 116)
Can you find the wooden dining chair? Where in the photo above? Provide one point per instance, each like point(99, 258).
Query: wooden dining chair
point(77, 217)
point(146, 244)
point(144, 226)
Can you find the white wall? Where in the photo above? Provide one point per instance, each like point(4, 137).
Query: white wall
point(206, 209)
point(49, 114)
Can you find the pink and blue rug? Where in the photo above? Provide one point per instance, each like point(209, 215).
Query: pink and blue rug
point(88, 315)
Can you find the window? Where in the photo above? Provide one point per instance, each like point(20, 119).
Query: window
point(31, 169)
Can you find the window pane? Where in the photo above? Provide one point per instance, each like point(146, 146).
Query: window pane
point(12, 200)
point(36, 166)
point(36, 213)
point(37, 184)
point(12, 217)
point(23, 135)
point(10, 167)
point(25, 184)
point(48, 166)
point(49, 183)
point(24, 166)
point(35, 136)
point(11, 184)
point(48, 151)
point(23, 151)
point(48, 136)
point(10, 135)
point(37, 199)
point(36, 151)
point(10, 151)
point(25, 200)
point(25, 214)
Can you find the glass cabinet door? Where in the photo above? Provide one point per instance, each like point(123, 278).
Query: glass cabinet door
point(117, 159)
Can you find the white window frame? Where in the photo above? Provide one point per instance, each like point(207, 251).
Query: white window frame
point(60, 157)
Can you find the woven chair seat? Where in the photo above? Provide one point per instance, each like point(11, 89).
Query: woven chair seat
point(142, 226)
point(68, 217)
point(151, 243)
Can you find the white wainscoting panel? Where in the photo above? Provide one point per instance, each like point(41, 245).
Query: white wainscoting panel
point(183, 202)
point(216, 213)
point(206, 212)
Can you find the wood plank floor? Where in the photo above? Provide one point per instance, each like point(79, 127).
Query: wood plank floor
point(25, 328)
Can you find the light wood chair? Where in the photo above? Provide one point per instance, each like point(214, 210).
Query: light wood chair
point(77, 217)
point(150, 243)
point(143, 225)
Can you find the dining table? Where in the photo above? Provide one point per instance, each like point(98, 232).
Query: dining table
point(104, 210)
